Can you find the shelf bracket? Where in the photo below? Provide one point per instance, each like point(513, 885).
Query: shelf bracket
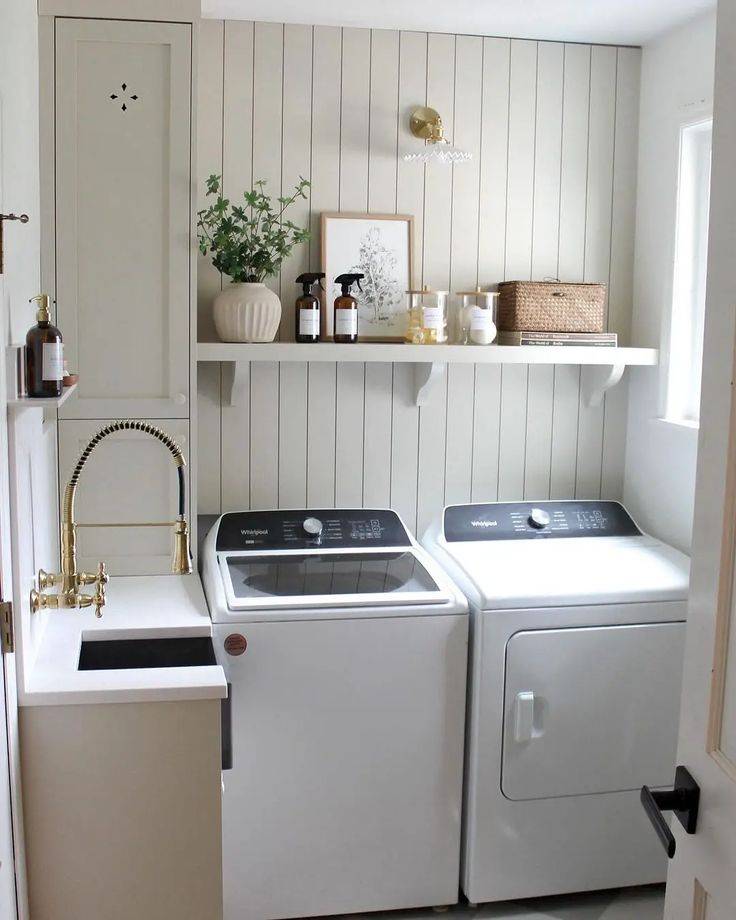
point(427, 376)
point(600, 380)
point(235, 382)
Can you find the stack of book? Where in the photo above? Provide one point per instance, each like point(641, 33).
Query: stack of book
point(604, 339)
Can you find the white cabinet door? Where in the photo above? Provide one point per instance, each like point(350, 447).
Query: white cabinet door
point(123, 244)
point(130, 478)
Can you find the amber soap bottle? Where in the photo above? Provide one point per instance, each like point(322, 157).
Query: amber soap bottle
point(44, 354)
point(308, 314)
point(346, 309)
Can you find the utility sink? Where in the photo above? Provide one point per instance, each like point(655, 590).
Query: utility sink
point(115, 654)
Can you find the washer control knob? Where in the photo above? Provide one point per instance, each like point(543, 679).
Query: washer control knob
point(313, 526)
point(539, 518)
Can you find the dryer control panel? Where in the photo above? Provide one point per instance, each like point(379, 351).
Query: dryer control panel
point(541, 520)
point(329, 528)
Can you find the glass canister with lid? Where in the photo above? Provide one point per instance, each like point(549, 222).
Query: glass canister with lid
point(477, 317)
point(427, 323)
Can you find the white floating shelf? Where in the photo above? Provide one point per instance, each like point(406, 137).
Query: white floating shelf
point(19, 403)
point(424, 354)
point(431, 360)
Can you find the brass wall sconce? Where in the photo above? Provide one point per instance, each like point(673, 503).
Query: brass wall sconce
point(426, 124)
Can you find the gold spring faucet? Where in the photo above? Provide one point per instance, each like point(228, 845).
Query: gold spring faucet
point(70, 580)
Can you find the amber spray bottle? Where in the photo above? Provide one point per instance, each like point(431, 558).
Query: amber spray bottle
point(346, 309)
point(308, 309)
point(44, 354)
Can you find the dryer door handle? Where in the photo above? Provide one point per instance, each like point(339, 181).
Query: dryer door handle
point(524, 716)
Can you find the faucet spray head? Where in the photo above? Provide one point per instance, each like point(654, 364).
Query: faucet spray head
point(181, 562)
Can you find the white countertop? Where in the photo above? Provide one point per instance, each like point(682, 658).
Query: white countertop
point(150, 606)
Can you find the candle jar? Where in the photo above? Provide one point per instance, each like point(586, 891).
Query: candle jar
point(477, 317)
point(427, 317)
point(414, 329)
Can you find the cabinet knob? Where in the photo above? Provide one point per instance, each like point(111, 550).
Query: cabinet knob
point(180, 399)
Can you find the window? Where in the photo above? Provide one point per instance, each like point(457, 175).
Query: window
point(691, 261)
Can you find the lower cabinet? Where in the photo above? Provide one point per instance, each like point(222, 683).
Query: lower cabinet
point(129, 479)
point(122, 810)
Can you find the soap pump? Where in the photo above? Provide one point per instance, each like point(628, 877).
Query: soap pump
point(346, 308)
point(44, 354)
point(308, 308)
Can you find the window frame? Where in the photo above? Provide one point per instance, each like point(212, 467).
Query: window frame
point(697, 116)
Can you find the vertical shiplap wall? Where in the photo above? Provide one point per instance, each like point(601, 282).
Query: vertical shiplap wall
point(549, 193)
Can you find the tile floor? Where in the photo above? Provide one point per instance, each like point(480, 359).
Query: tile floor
point(631, 904)
point(628, 904)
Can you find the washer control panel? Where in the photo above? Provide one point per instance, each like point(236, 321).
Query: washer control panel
point(329, 528)
point(543, 520)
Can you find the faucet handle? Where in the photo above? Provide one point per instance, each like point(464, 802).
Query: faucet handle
point(99, 598)
point(43, 601)
point(99, 601)
point(46, 580)
point(102, 576)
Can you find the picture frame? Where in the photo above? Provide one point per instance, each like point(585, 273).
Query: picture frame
point(381, 246)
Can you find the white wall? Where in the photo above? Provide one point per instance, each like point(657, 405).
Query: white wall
point(549, 192)
point(676, 84)
point(32, 442)
point(31, 446)
point(608, 22)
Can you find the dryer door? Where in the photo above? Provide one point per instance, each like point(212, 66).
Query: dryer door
point(591, 710)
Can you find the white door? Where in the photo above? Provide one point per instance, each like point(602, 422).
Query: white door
point(9, 765)
point(8, 697)
point(702, 877)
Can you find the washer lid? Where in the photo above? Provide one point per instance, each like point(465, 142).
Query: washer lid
point(554, 554)
point(558, 573)
point(328, 578)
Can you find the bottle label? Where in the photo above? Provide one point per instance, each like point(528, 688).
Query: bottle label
point(309, 322)
point(432, 318)
point(346, 322)
point(480, 320)
point(53, 361)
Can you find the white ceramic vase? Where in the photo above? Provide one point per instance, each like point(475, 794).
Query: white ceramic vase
point(247, 312)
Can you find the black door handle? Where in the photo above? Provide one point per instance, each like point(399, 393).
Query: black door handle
point(683, 800)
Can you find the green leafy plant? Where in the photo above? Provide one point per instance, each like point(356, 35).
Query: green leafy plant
point(249, 242)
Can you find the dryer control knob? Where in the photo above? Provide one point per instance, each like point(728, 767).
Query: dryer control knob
point(313, 526)
point(539, 518)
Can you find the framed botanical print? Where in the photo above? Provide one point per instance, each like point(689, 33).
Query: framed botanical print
point(380, 247)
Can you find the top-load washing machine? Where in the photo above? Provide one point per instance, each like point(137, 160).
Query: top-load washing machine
point(345, 647)
point(577, 636)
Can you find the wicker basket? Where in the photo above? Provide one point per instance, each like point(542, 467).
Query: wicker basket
point(551, 306)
